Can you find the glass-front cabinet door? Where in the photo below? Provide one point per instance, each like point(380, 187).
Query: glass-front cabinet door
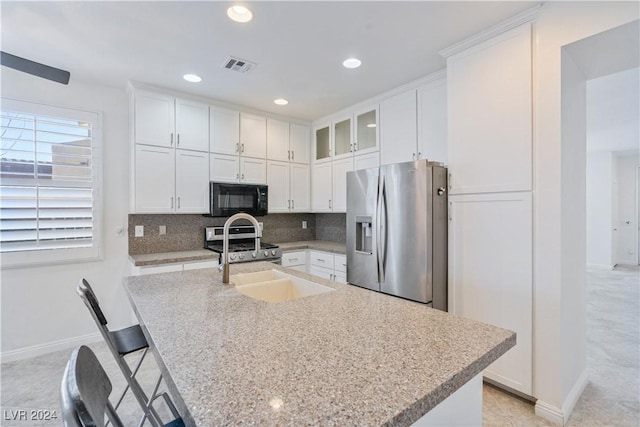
point(322, 141)
point(342, 137)
point(366, 130)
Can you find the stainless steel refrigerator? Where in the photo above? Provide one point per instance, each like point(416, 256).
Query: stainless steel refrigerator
point(397, 231)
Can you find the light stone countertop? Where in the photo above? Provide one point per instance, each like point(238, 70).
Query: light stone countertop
point(205, 254)
point(348, 357)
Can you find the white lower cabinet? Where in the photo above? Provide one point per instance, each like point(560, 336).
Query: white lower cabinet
point(328, 265)
point(228, 168)
point(288, 187)
point(169, 268)
point(296, 260)
point(490, 274)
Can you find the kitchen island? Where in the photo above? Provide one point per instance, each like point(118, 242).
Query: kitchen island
point(346, 357)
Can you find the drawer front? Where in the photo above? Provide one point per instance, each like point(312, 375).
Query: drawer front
point(294, 258)
point(340, 263)
point(321, 259)
point(340, 277)
point(325, 273)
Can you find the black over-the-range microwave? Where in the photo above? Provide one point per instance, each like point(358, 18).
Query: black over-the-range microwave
point(228, 199)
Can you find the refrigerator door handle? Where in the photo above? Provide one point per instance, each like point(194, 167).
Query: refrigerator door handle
point(381, 206)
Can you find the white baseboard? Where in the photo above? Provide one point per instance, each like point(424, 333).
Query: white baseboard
point(40, 349)
point(560, 416)
point(601, 266)
point(574, 395)
point(549, 412)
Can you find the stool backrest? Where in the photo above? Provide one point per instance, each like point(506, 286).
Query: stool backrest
point(91, 301)
point(85, 391)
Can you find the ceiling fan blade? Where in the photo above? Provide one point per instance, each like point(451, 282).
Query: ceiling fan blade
point(35, 68)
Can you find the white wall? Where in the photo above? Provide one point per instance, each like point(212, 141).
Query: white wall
point(40, 309)
point(627, 217)
point(558, 24)
point(600, 210)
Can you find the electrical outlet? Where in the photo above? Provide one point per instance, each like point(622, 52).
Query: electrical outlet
point(139, 231)
point(304, 225)
point(119, 231)
point(162, 230)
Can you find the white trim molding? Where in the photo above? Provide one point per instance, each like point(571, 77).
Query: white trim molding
point(561, 416)
point(528, 15)
point(601, 266)
point(40, 349)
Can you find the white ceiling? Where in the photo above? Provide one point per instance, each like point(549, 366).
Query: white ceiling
point(298, 46)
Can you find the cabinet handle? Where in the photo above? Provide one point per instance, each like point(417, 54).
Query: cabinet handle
point(293, 259)
point(178, 202)
point(242, 179)
point(172, 203)
point(172, 139)
point(329, 203)
point(288, 204)
point(178, 139)
point(293, 155)
point(351, 148)
point(355, 146)
point(450, 211)
point(320, 259)
point(288, 155)
point(242, 148)
point(238, 177)
point(419, 154)
point(237, 147)
point(293, 204)
point(413, 156)
point(450, 181)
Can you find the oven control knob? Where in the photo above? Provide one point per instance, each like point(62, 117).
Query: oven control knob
point(254, 254)
point(241, 256)
point(232, 256)
point(273, 252)
point(266, 253)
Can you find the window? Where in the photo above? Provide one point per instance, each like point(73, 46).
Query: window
point(49, 184)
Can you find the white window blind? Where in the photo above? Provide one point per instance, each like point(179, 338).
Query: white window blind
point(48, 182)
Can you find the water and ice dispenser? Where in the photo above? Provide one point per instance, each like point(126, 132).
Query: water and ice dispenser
point(364, 231)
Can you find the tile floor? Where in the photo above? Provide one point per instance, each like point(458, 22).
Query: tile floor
point(611, 398)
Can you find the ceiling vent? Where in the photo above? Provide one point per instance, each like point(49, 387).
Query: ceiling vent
point(237, 64)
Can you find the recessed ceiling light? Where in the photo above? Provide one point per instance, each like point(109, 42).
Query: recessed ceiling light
point(193, 78)
point(239, 13)
point(352, 63)
point(371, 125)
point(280, 101)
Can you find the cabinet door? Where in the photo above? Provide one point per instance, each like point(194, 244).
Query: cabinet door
point(489, 97)
point(398, 128)
point(300, 188)
point(223, 168)
point(322, 143)
point(192, 125)
point(224, 134)
point(342, 138)
point(299, 143)
point(278, 140)
point(154, 179)
point(321, 187)
point(490, 273)
point(340, 169)
point(432, 121)
point(366, 161)
point(192, 181)
point(153, 119)
point(253, 136)
point(324, 273)
point(278, 182)
point(365, 138)
point(253, 171)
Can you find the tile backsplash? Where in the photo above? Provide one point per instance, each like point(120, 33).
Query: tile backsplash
point(186, 232)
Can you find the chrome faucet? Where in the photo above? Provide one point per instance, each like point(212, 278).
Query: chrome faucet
point(224, 267)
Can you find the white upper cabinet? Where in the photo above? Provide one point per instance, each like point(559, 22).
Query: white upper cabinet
point(339, 175)
point(192, 182)
point(322, 143)
point(490, 107)
point(342, 138)
point(398, 128)
point(366, 138)
point(432, 121)
point(289, 187)
point(153, 119)
point(300, 187)
point(299, 143)
point(278, 140)
point(224, 168)
point(321, 188)
point(192, 125)
point(154, 179)
point(253, 136)
point(253, 171)
point(225, 131)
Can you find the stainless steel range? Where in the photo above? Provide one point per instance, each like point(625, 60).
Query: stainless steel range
point(241, 245)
